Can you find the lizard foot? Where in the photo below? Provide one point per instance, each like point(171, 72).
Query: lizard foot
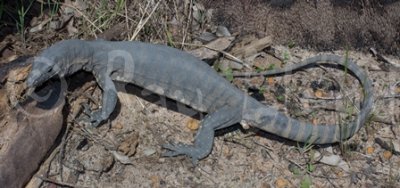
point(94, 117)
point(191, 151)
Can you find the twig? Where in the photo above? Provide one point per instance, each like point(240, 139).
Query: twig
point(383, 59)
point(206, 174)
point(142, 23)
point(381, 120)
point(267, 149)
point(228, 55)
point(140, 102)
point(188, 22)
point(126, 16)
point(84, 16)
point(58, 183)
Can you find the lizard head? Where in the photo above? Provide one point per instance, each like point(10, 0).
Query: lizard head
point(44, 67)
point(53, 61)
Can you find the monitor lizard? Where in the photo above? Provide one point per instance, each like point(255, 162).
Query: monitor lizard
point(182, 77)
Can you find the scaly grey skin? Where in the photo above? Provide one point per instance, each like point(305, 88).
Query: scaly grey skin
point(177, 75)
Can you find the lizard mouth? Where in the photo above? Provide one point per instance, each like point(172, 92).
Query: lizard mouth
point(35, 78)
point(32, 78)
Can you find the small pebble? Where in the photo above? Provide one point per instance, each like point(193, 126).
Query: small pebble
point(281, 182)
point(387, 155)
point(149, 152)
point(192, 124)
point(370, 150)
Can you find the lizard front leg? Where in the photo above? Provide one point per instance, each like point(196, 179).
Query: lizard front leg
point(109, 99)
point(204, 139)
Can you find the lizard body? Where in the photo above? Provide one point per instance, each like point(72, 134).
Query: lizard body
point(177, 75)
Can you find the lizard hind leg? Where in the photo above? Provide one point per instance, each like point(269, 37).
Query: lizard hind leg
point(204, 139)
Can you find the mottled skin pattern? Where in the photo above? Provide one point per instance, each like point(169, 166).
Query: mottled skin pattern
point(177, 75)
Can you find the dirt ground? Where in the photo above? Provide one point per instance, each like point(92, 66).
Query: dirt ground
point(126, 152)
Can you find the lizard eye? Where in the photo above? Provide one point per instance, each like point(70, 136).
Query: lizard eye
point(49, 70)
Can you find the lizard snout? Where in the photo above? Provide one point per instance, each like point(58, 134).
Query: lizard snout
point(32, 78)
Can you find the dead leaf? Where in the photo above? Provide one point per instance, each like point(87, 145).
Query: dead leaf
point(227, 152)
point(40, 26)
point(149, 151)
point(129, 145)
point(81, 5)
point(226, 64)
point(68, 10)
point(281, 182)
point(18, 74)
point(252, 48)
point(319, 93)
point(222, 31)
point(306, 104)
point(271, 81)
point(155, 181)
point(207, 37)
point(71, 29)
point(199, 13)
point(212, 49)
point(34, 21)
point(12, 58)
point(333, 160)
point(114, 32)
point(121, 158)
point(4, 107)
point(265, 61)
point(395, 89)
point(198, 9)
point(7, 53)
point(117, 125)
point(193, 124)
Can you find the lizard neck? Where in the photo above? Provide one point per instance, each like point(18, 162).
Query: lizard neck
point(72, 56)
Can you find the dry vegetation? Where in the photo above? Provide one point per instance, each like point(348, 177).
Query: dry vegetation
point(125, 152)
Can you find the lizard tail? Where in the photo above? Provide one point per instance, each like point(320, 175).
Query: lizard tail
point(280, 124)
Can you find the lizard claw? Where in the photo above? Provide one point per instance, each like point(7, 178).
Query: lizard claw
point(86, 109)
point(94, 117)
point(183, 149)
